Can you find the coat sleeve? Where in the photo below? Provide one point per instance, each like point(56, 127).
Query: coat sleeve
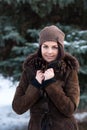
point(25, 96)
point(66, 100)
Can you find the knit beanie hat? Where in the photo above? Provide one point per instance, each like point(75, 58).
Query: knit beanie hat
point(51, 33)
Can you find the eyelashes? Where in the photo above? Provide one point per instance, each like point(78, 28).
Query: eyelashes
point(53, 47)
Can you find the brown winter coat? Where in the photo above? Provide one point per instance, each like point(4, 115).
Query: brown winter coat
point(54, 105)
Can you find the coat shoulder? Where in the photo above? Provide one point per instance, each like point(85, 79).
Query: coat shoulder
point(29, 61)
point(71, 62)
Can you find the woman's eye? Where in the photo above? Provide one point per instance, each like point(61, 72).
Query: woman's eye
point(45, 46)
point(55, 47)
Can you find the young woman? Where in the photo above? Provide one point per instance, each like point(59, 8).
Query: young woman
point(49, 85)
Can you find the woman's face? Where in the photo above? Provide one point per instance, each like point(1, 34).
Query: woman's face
point(49, 51)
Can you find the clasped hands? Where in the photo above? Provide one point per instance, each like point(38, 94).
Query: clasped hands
point(48, 74)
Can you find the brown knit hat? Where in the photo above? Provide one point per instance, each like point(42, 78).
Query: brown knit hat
point(51, 33)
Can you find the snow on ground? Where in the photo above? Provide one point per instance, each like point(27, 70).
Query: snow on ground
point(9, 120)
point(7, 89)
point(81, 116)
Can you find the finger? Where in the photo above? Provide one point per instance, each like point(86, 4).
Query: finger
point(48, 71)
point(39, 71)
point(51, 69)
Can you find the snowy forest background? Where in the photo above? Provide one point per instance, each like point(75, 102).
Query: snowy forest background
point(20, 23)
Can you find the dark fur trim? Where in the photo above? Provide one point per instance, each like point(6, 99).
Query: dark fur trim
point(28, 60)
point(71, 61)
point(68, 62)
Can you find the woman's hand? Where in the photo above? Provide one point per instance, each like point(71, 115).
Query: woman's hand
point(48, 74)
point(39, 76)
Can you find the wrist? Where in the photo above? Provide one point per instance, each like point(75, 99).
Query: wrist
point(38, 80)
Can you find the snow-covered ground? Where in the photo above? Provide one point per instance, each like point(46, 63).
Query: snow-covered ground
point(9, 120)
point(7, 89)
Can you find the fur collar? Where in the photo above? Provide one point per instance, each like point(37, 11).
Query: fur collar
point(68, 62)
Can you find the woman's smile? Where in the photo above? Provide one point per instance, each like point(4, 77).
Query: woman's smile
point(49, 57)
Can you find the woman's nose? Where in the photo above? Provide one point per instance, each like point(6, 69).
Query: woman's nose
point(49, 50)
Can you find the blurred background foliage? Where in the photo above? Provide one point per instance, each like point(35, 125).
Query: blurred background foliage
point(21, 22)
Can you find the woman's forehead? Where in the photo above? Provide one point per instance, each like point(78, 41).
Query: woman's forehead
point(50, 43)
